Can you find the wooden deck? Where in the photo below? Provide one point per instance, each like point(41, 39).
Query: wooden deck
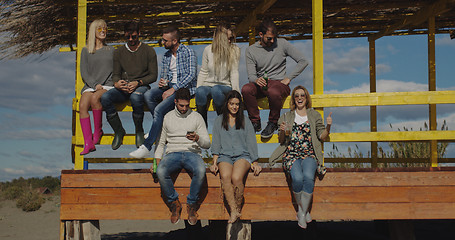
point(354, 194)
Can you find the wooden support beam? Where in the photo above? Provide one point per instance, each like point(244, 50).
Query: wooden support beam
point(250, 19)
point(318, 58)
point(81, 36)
point(419, 17)
point(318, 50)
point(252, 36)
point(373, 109)
point(432, 87)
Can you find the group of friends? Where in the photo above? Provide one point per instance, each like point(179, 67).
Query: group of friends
point(113, 76)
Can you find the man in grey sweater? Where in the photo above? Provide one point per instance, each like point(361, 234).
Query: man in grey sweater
point(135, 67)
point(184, 134)
point(266, 68)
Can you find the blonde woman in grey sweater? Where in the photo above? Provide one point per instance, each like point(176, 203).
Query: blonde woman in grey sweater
point(96, 71)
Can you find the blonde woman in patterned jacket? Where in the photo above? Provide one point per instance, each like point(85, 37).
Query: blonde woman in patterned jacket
point(301, 132)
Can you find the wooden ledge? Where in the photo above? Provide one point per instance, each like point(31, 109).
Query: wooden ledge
point(274, 170)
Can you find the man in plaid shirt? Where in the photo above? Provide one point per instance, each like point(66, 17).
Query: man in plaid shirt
point(179, 70)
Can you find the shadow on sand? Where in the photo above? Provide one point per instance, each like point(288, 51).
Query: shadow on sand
point(372, 230)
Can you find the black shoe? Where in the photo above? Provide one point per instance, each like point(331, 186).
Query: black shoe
point(269, 129)
point(257, 126)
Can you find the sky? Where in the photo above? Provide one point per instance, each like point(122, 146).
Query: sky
point(37, 93)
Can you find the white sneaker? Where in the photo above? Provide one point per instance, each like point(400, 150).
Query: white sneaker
point(141, 152)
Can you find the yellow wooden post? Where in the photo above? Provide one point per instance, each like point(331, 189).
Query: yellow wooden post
point(432, 87)
point(81, 36)
point(252, 35)
point(373, 112)
point(318, 58)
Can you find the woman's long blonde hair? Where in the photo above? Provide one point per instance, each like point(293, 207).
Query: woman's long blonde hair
point(91, 39)
point(225, 54)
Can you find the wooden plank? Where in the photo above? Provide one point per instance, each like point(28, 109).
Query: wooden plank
point(388, 179)
point(146, 180)
point(430, 194)
point(277, 179)
point(276, 211)
point(153, 195)
point(369, 211)
point(420, 194)
point(130, 195)
point(250, 19)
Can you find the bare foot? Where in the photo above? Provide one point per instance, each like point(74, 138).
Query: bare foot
point(234, 217)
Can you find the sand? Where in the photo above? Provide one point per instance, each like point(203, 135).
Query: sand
point(43, 224)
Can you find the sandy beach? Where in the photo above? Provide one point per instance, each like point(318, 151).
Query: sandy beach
point(43, 224)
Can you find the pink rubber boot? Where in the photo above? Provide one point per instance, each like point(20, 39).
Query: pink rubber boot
point(98, 124)
point(87, 132)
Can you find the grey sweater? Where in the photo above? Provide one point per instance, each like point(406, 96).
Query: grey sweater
point(273, 60)
point(139, 65)
point(234, 142)
point(96, 68)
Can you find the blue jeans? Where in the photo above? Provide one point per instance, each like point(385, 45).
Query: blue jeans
point(174, 162)
point(158, 108)
point(114, 96)
point(302, 174)
point(217, 93)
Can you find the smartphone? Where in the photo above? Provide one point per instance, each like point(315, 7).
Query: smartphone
point(189, 132)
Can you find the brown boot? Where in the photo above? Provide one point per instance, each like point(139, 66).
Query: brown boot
point(234, 213)
point(176, 210)
point(192, 213)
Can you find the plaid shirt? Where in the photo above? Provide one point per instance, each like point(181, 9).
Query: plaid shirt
point(186, 68)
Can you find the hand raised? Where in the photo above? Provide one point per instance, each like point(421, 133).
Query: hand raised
point(329, 119)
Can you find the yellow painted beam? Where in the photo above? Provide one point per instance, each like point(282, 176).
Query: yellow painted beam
point(250, 19)
point(348, 100)
point(251, 35)
point(318, 58)
point(392, 136)
point(204, 42)
point(383, 99)
point(81, 36)
point(129, 139)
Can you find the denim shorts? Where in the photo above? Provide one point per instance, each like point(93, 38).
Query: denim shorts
point(232, 160)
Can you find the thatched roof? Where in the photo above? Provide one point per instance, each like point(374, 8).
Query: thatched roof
point(35, 26)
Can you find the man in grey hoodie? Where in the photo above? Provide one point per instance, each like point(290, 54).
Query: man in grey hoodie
point(266, 68)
